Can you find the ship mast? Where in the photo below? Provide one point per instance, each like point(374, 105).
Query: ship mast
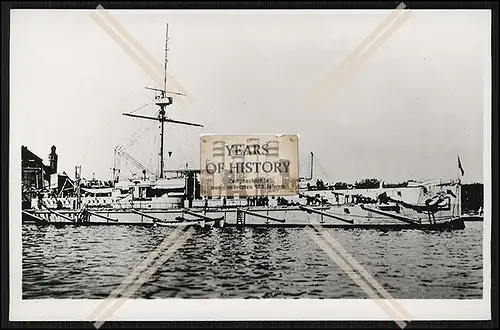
point(163, 101)
point(312, 165)
point(166, 59)
point(162, 106)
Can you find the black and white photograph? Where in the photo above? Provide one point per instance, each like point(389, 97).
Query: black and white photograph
point(250, 164)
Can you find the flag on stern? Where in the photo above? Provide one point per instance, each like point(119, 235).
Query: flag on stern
point(460, 166)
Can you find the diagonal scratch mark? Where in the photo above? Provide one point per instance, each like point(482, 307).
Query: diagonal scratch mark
point(360, 55)
point(360, 61)
point(140, 49)
point(132, 276)
point(144, 277)
point(351, 57)
point(383, 303)
point(137, 52)
point(340, 249)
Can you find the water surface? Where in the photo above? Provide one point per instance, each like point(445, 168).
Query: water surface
point(89, 262)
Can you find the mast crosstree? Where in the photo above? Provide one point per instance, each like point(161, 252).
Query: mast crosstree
point(163, 101)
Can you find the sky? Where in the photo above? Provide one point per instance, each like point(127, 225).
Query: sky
point(407, 113)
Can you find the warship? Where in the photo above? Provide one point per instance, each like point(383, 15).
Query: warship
point(171, 197)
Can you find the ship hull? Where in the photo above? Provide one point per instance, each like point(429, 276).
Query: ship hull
point(345, 216)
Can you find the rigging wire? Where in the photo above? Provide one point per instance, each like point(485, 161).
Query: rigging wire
point(141, 107)
point(137, 130)
point(302, 167)
point(138, 135)
point(151, 100)
point(137, 138)
point(322, 169)
point(107, 124)
point(132, 136)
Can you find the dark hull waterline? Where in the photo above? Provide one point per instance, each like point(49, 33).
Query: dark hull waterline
point(456, 224)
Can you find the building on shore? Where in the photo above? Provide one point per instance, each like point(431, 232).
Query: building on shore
point(35, 175)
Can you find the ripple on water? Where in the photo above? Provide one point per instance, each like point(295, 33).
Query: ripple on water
point(89, 262)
